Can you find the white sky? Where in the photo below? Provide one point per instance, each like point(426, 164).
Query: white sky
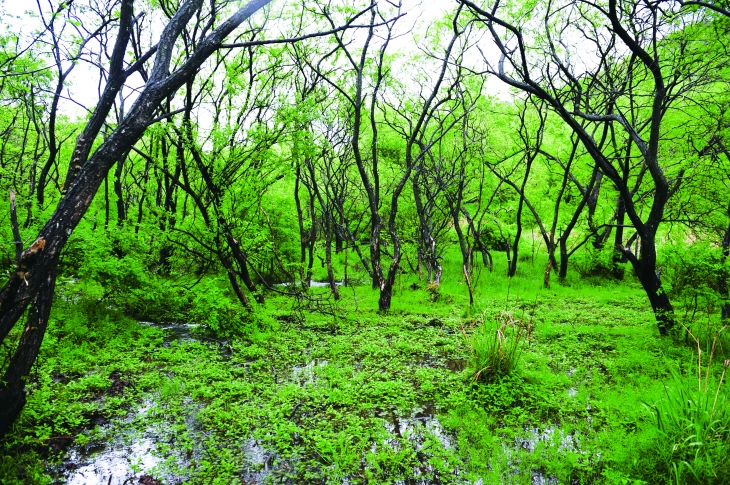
point(83, 83)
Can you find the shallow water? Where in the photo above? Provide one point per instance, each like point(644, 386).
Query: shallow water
point(177, 332)
point(307, 373)
point(123, 455)
point(111, 465)
point(126, 455)
point(415, 426)
point(114, 462)
point(312, 284)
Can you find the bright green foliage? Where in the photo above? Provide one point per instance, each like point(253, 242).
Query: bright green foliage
point(543, 386)
point(495, 345)
point(86, 344)
point(319, 394)
point(693, 419)
point(690, 274)
point(695, 433)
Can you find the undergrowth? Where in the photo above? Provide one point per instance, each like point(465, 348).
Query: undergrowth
point(693, 418)
point(543, 386)
point(495, 345)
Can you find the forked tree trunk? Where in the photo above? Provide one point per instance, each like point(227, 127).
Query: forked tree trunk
point(466, 251)
point(386, 295)
point(307, 237)
point(242, 260)
point(563, 239)
point(478, 243)
point(234, 282)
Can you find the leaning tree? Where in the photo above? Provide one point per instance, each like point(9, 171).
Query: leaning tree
point(31, 286)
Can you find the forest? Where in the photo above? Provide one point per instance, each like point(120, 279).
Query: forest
point(371, 242)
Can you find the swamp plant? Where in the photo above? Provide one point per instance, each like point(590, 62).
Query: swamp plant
point(693, 420)
point(495, 345)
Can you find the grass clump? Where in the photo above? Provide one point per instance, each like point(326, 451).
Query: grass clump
point(693, 420)
point(495, 345)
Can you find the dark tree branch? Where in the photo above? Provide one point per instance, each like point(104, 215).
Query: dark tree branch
point(16, 230)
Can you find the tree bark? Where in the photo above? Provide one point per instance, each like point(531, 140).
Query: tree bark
point(306, 236)
point(119, 192)
point(12, 390)
point(563, 239)
point(644, 267)
point(328, 259)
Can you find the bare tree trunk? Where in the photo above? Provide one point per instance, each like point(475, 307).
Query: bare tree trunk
point(508, 251)
point(618, 257)
point(548, 270)
point(512, 270)
point(563, 272)
point(645, 269)
point(339, 240)
point(563, 239)
point(647, 134)
point(118, 191)
point(234, 282)
point(454, 209)
point(479, 245)
point(307, 237)
point(242, 259)
point(426, 243)
point(328, 259)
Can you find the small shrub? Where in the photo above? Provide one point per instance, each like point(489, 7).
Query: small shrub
point(690, 276)
point(598, 263)
point(213, 308)
point(495, 345)
point(433, 290)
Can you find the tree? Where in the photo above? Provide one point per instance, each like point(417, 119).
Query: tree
point(367, 107)
point(644, 52)
point(34, 281)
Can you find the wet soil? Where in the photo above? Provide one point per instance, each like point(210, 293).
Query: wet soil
point(120, 458)
point(126, 457)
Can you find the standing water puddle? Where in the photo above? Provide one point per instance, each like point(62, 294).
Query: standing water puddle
point(420, 430)
point(125, 455)
point(307, 373)
point(112, 466)
point(312, 284)
point(416, 427)
point(548, 436)
point(115, 463)
point(176, 332)
point(189, 332)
